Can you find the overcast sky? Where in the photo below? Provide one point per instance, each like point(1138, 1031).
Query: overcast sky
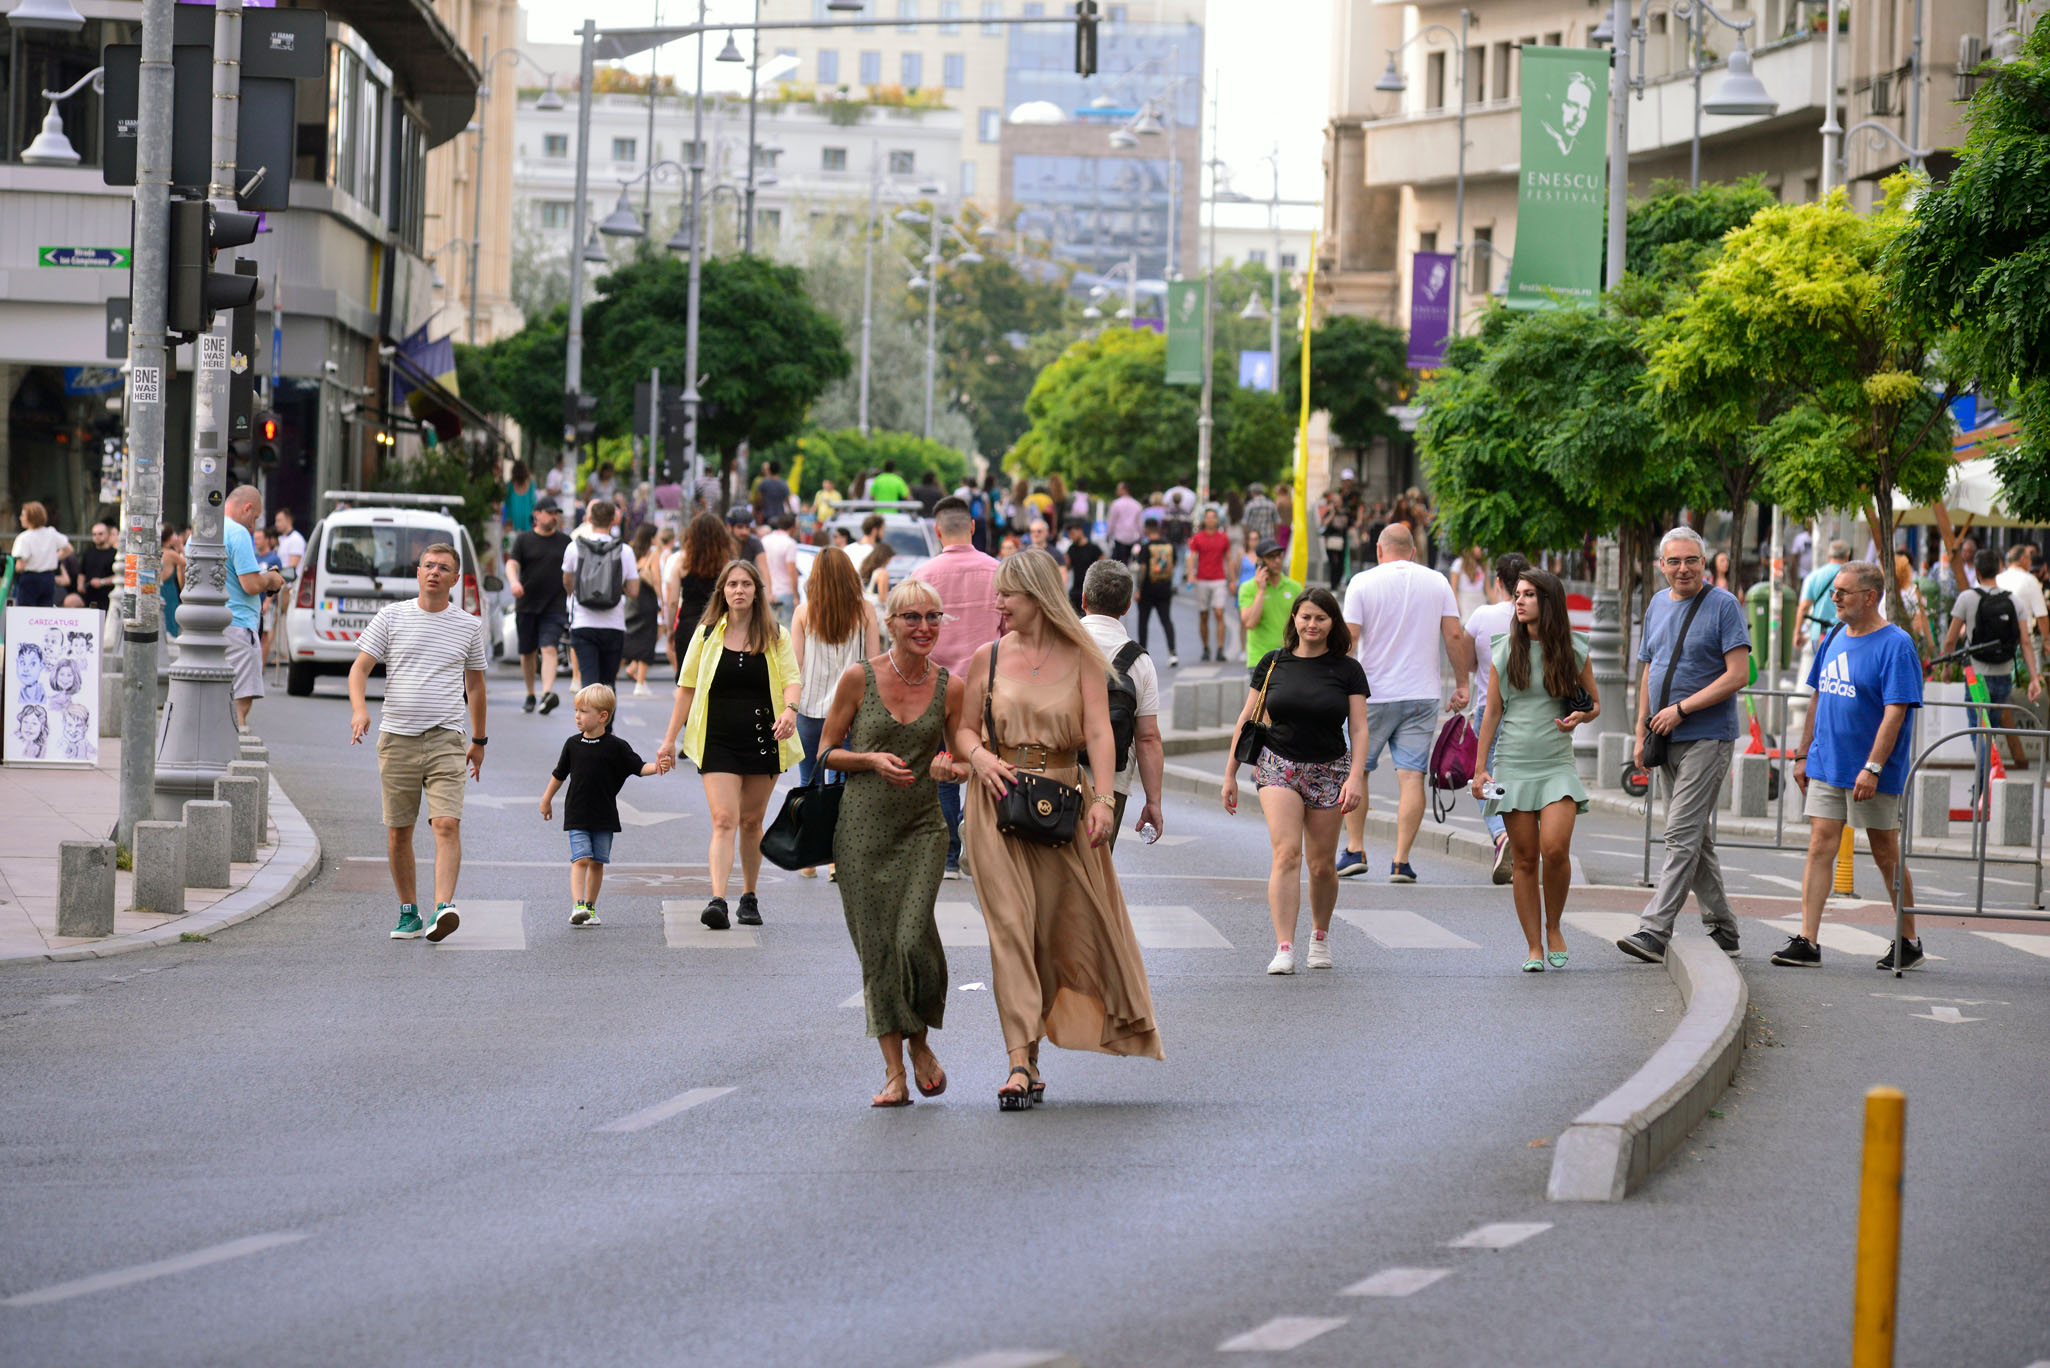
point(1268, 57)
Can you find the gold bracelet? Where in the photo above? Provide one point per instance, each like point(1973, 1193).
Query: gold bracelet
point(1106, 798)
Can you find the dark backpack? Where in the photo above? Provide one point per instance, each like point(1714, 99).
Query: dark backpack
point(1996, 628)
point(1124, 700)
point(599, 580)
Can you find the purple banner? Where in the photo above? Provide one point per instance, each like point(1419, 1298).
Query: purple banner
point(1430, 309)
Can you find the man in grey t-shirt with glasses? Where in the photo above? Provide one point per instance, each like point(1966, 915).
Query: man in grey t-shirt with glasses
point(1687, 693)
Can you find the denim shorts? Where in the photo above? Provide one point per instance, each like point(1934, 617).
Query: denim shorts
point(591, 845)
point(1406, 726)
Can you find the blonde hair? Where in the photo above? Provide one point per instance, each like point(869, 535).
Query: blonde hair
point(1037, 576)
point(906, 592)
point(32, 515)
point(597, 698)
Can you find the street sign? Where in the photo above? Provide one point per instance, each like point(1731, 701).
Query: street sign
point(112, 257)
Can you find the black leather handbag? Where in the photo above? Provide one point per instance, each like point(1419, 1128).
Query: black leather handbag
point(801, 837)
point(1035, 808)
point(1253, 735)
point(1656, 743)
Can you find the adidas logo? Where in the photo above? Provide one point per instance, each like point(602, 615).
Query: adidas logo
point(1836, 679)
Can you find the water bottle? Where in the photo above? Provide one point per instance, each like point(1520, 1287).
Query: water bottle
point(1149, 833)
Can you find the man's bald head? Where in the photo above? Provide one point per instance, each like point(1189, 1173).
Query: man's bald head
point(244, 505)
point(1396, 544)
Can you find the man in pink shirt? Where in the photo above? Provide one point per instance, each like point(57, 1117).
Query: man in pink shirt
point(964, 578)
point(1125, 527)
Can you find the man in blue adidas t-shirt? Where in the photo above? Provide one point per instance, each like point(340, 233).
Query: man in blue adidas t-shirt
point(1854, 753)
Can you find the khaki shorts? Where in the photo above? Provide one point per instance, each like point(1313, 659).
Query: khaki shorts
point(245, 658)
point(1214, 594)
point(1880, 812)
point(432, 762)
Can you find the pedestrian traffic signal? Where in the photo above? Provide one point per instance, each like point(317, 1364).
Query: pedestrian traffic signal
point(266, 430)
point(199, 233)
point(1085, 37)
point(581, 419)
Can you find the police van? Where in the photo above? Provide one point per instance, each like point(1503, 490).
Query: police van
point(363, 554)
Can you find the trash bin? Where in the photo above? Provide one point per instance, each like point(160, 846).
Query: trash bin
point(1755, 601)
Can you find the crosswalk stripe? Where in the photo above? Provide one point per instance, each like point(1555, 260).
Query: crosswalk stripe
point(960, 925)
point(488, 925)
point(682, 930)
point(858, 999)
point(1499, 1235)
point(1846, 940)
point(662, 1111)
point(1283, 1332)
point(1396, 1282)
point(1400, 929)
point(1173, 927)
point(2035, 945)
point(1608, 926)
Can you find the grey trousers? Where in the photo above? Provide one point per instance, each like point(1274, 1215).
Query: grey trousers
point(1692, 780)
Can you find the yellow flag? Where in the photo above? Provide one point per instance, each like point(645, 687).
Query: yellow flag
point(1299, 537)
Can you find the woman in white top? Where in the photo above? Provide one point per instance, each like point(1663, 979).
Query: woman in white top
point(38, 550)
point(1469, 576)
point(833, 629)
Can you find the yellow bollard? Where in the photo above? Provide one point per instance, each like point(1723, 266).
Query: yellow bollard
point(1845, 867)
point(1876, 1284)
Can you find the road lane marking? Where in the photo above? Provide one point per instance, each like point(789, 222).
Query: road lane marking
point(1779, 879)
point(960, 925)
point(122, 1277)
point(1014, 1358)
point(681, 930)
point(488, 925)
point(1283, 1332)
point(1848, 940)
point(1398, 928)
point(1174, 927)
point(857, 1000)
point(662, 1111)
point(1608, 926)
point(1396, 1282)
point(2035, 945)
point(1949, 1016)
point(1499, 1235)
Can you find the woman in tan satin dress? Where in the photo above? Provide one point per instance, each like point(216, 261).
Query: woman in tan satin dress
point(1063, 960)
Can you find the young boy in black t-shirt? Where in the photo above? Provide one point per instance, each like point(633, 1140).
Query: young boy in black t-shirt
point(597, 764)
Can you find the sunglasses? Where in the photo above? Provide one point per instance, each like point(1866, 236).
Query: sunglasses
point(929, 619)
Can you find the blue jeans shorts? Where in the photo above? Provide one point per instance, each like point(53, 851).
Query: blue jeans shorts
point(1406, 726)
point(591, 845)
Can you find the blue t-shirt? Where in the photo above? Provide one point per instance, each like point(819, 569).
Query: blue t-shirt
point(1855, 679)
point(1717, 628)
point(1815, 591)
point(242, 605)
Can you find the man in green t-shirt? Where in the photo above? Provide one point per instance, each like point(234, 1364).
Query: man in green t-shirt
point(1265, 600)
point(889, 487)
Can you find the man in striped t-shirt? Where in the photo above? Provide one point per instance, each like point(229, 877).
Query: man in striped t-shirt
point(434, 660)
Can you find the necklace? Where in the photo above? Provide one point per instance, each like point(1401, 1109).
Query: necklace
point(1042, 658)
point(910, 682)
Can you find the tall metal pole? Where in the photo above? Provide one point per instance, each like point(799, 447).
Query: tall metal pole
point(1916, 140)
point(1459, 185)
point(1694, 60)
point(754, 76)
point(1204, 421)
point(579, 216)
point(932, 312)
point(197, 742)
point(648, 190)
point(697, 257)
point(1619, 140)
point(1274, 298)
point(149, 361)
point(1174, 169)
point(868, 277)
point(1832, 131)
point(477, 196)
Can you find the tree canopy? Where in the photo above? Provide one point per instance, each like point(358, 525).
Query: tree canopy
point(1359, 368)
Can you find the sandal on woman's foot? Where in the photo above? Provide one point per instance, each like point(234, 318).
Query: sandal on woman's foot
point(1015, 1096)
point(1038, 1090)
point(882, 1099)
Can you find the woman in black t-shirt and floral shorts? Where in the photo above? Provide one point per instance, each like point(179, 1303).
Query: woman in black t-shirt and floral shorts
point(1307, 776)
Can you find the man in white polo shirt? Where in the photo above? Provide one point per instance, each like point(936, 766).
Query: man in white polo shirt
point(1400, 613)
point(434, 662)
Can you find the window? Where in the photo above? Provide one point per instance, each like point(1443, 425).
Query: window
point(555, 145)
point(765, 157)
point(1427, 242)
point(1119, 13)
point(829, 66)
point(768, 223)
point(871, 68)
point(624, 149)
point(992, 9)
point(1434, 81)
point(1481, 278)
point(1288, 261)
point(967, 177)
point(553, 214)
point(954, 70)
point(911, 67)
point(370, 181)
point(1034, 10)
point(1555, 40)
point(348, 88)
point(989, 125)
point(1476, 73)
point(907, 9)
point(1500, 89)
point(832, 159)
point(1256, 256)
point(903, 163)
point(950, 9)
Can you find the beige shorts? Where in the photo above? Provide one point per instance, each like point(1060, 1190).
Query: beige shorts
point(1880, 812)
point(432, 763)
point(1213, 595)
point(245, 658)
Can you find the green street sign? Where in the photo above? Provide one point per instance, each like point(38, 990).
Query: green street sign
point(1185, 332)
point(1562, 186)
point(107, 257)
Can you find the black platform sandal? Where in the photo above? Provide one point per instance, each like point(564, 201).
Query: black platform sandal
point(1021, 1100)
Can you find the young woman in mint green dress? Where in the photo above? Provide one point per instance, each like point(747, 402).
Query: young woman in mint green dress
point(1541, 689)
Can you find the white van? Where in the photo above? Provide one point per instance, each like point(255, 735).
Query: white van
point(362, 555)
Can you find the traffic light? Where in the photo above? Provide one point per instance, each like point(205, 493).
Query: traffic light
point(1085, 37)
point(199, 232)
point(580, 419)
point(264, 433)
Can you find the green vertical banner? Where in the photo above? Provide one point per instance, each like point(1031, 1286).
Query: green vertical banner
point(1562, 185)
point(1185, 332)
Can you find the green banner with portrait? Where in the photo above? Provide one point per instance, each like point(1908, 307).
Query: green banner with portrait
point(1185, 332)
point(1562, 184)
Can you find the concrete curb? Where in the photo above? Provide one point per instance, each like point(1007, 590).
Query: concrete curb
point(1615, 1145)
point(291, 865)
point(1761, 828)
point(1432, 839)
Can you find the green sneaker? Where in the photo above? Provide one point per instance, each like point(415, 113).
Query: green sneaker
point(445, 921)
point(589, 915)
point(580, 914)
point(409, 927)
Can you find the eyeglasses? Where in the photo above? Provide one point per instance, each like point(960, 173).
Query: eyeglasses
point(1842, 593)
point(929, 619)
point(1683, 562)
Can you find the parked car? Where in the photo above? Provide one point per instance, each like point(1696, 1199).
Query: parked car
point(911, 536)
point(362, 555)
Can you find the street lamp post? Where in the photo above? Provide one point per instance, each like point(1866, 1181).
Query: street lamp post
point(1832, 131)
point(868, 277)
point(1205, 424)
point(1740, 93)
point(693, 293)
point(1392, 82)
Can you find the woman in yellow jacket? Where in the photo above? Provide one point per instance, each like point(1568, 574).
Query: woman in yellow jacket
point(736, 707)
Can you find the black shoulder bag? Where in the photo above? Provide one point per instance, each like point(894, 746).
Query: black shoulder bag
point(1035, 808)
point(1656, 743)
point(1253, 735)
point(801, 837)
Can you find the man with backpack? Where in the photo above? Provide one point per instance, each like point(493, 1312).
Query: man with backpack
point(599, 575)
point(1134, 691)
point(1994, 624)
point(1157, 557)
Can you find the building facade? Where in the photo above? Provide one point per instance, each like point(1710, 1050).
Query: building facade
point(469, 178)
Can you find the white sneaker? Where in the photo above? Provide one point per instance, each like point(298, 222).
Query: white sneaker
point(1283, 961)
point(1320, 954)
point(643, 691)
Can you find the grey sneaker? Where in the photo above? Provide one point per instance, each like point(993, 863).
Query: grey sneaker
point(1643, 945)
point(1725, 938)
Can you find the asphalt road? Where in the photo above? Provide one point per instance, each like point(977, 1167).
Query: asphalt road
point(305, 1143)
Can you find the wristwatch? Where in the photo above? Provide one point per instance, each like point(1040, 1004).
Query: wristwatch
point(480, 740)
point(1873, 767)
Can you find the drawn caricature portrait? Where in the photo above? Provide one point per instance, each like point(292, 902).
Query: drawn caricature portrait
point(78, 742)
point(65, 682)
point(1573, 112)
point(32, 727)
point(28, 668)
point(53, 643)
point(79, 645)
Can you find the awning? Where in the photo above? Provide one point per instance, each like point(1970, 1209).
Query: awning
point(1974, 498)
point(446, 410)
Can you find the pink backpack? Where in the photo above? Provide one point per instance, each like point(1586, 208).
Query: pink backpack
point(1453, 758)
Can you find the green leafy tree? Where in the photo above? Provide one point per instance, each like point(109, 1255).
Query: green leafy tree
point(844, 454)
point(989, 315)
point(1359, 368)
point(521, 376)
point(1973, 264)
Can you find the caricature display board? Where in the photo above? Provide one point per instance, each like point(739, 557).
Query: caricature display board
point(51, 706)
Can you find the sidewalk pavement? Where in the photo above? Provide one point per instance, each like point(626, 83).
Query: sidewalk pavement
point(46, 806)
